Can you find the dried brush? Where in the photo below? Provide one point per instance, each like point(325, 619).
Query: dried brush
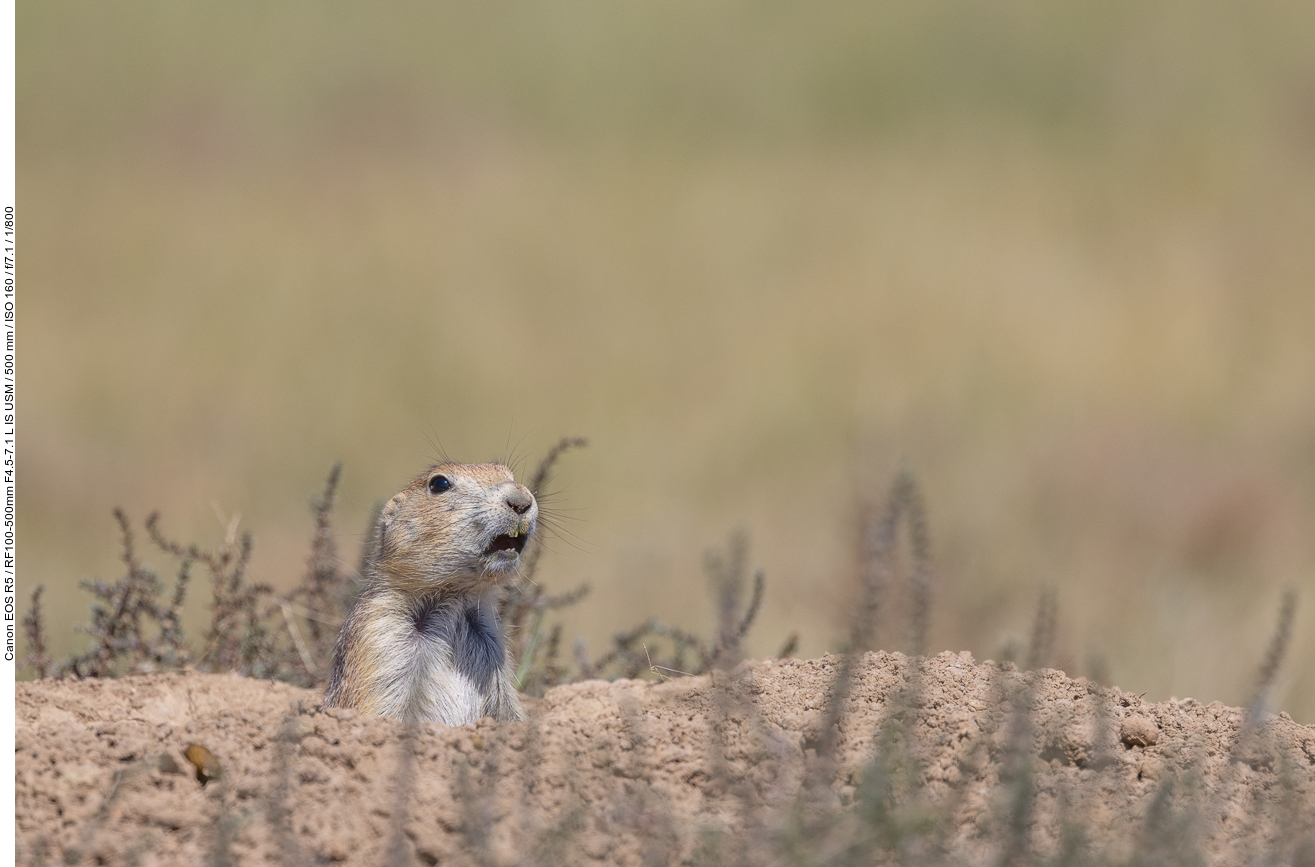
point(524, 607)
point(34, 629)
point(633, 651)
point(240, 637)
point(1041, 649)
point(877, 568)
point(1276, 652)
point(325, 592)
point(133, 626)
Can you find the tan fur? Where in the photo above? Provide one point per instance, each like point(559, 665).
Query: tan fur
point(423, 642)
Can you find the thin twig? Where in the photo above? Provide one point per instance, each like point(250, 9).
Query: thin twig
point(302, 650)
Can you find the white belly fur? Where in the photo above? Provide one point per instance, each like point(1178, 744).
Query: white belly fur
point(415, 676)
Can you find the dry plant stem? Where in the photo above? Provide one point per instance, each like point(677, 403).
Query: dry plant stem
point(325, 588)
point(728, 580)
point(171, 620)
point(828, 735)
point(135, 630)
point(1102, 724)
point(1251, 744)
point(399, 853)
point(1017, 775)
point(477, 815)
point(555, 845)
point(528, 824)
point(878, 541)
point(891, 796)
point(88, 835)
point(753, 806)
point(626, 648)
point(642, 812)
point(877, 805)
point(536, 664)
point(125, 622)
point(132, 628)
point(237, 639)
point(878, 565)
point(1073, 838)
point(1248, 739)
point(278, 811)
point(224, 828)
point(526, 603)
point(1278, 648)
point(1041, 648)
point(726, 573)
point(1167, 833)
point(544, 470)
point(551, 840)
point(630, 654)
point(34, 628)
point(118, 626)
point(307, 661)
point(906, 493)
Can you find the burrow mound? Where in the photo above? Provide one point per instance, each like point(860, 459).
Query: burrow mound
point(632, 772)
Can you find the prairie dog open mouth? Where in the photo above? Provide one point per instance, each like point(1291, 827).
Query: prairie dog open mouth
point(506, 543)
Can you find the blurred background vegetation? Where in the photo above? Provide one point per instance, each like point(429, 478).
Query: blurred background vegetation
point(1057, 256)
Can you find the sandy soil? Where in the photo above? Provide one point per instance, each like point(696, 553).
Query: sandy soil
point(636, 772)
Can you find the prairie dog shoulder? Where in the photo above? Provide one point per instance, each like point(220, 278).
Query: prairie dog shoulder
point(423, 642)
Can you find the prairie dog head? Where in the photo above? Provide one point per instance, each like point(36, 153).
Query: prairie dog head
point(458, 526)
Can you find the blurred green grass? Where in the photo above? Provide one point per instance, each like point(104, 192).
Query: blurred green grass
point(1056, 256)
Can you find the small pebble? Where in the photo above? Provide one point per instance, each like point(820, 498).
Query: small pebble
point(167, 764)
point(1140, 731)
point(207, 766)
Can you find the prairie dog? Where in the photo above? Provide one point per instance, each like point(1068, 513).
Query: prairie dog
point(423, 642)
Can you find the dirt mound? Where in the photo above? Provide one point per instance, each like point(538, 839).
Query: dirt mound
point(934, 760)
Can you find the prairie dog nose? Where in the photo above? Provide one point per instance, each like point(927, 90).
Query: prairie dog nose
point(519, 499)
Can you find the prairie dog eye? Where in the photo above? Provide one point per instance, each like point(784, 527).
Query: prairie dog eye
point(439, 484)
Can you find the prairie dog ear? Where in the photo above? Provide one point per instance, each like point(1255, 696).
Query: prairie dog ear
point(389, 510)
point(386, 517)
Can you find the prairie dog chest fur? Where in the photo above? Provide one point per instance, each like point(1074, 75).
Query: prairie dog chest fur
point(423, 642)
